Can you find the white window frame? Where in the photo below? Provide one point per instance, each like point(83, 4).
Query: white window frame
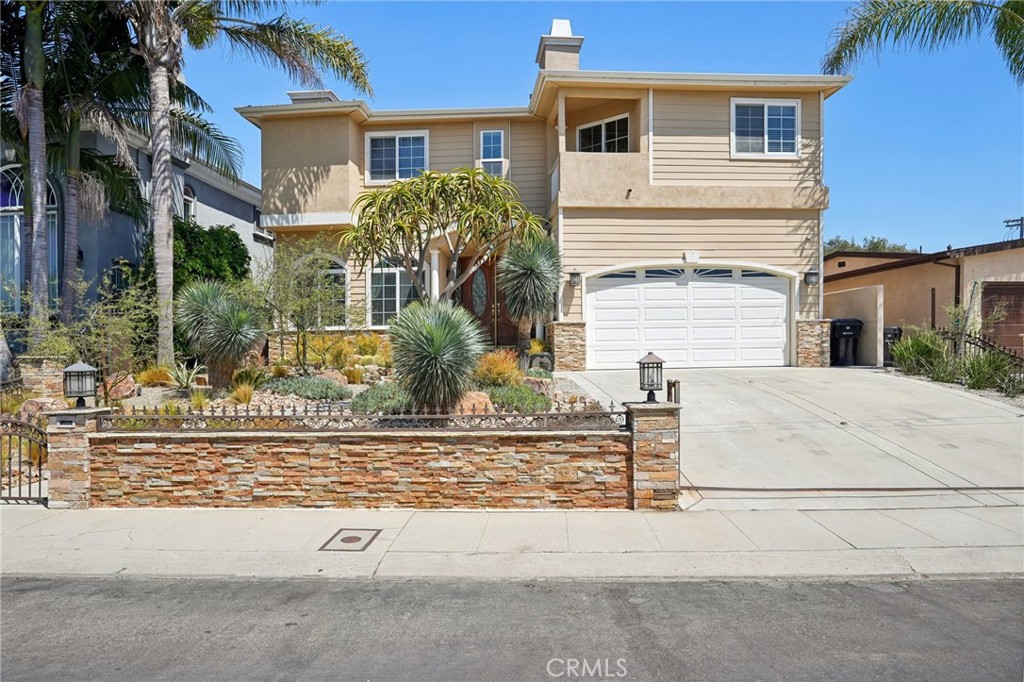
point(370, 135)
point(398, 271)
point(766, 103)
point(342, 267)
point(502, 159)
point(629, 132)
point(188, 202)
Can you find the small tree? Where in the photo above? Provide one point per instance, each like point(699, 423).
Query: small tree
point(529, 273)
point(303, 291)
point(472, 213)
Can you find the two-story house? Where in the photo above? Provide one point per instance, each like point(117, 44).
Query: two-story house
point(688, 207)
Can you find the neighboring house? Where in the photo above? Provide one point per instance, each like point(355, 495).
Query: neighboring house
point(918, 288)
point(200, 193)
point(688, 206)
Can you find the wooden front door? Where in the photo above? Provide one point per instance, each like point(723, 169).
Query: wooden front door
point(480, 295)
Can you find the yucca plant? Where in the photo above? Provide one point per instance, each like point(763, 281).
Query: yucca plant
point(529, 273)
point(184, 376)
point(436, 345)
point(218, 327)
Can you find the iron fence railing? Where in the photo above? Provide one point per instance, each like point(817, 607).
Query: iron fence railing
point(10, 391)
point(318, 418)
point(963, 343)
point(22, 461)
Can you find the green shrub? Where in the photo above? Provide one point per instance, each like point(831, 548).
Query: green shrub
point(367, 343)
point(250, 376)
point(521, 399)
point(1012, 385)
point(311, 388)
point(984, 370)
point(538, 373)
point(218, 326)
point(942, 369)
point(386, 397)
point(436, 346)
point(918, 350)
point(498, 368)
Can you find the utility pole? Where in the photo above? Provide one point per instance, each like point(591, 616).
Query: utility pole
point(1015, 224)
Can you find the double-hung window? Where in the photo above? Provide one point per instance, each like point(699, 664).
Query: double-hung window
point(492, 157)
point(395, 155)
point(765, 128)
point(609, 135)
point(390, 291)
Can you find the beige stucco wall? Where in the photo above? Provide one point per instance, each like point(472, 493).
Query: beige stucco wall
point(866, 304)
point(692, 142)
point(601, 238)
point(908, 293)
point(854, 263)
point(1000, 266)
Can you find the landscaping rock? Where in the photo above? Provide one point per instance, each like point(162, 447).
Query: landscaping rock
point(33, 407)
point(539, 385)
point(126, 388)
point(475, 402)
point(334, 375)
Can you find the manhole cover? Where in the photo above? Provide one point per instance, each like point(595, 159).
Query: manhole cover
point(351, 540)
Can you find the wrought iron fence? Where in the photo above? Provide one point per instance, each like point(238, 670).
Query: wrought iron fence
point(962, 343)
point(331, 418)
point(22, 461)
point(11, 391)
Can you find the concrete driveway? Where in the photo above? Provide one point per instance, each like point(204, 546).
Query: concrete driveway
point(835, 428)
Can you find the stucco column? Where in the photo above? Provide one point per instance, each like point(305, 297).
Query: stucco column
point(435, 274)
point(655, 428)
point(67, 456)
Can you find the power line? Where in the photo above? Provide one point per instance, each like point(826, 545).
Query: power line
point(1015, 224)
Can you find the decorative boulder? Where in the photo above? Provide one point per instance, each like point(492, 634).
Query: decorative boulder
point(33, 407)
point(474, 402)
point(334, 375)
point(125, 388)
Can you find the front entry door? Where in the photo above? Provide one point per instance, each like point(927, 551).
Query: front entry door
point(481, 297)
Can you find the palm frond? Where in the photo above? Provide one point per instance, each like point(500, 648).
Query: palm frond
point(1008, 31)
point(120, 184)
point(206, 142)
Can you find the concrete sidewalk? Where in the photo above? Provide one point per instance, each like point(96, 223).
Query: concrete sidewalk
point(511, 544)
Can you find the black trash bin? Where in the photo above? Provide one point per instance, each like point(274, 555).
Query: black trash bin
point(890, 335)
point(844, 337)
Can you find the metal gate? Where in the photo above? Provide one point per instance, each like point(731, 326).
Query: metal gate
point(22, 461)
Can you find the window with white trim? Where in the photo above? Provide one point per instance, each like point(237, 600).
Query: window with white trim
point(766, 128)
point(188, 203)
point(610, 136)
point(492, 152)
point(335, 314)
point(395, 156)
point(391, 289)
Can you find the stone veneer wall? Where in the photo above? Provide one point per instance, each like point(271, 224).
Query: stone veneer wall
point(423, 470)
point(43, 377)
point(569, 345)
point(813, 343)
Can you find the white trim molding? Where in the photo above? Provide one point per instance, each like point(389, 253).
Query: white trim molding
point(311, 219)
point(371, 134)
point(503, 158)
point(591, 124)
point(766, 102)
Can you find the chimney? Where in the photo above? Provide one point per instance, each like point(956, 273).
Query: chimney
point(560, 50)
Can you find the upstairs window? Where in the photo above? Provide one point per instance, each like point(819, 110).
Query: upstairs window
point(395, 156)
point(492, 156)
point(765, 128)
point(188, 203)
point(610, 135)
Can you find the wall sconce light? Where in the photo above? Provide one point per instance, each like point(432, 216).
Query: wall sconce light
point(80, 382)
point(812, 277)
point(575, 278)
point(651, 375)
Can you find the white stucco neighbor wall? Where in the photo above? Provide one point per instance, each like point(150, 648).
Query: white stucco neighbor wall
point(867, 304)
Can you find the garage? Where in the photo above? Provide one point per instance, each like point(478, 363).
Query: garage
point(690, 317)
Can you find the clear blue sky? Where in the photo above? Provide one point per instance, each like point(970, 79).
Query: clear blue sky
point(926, 149)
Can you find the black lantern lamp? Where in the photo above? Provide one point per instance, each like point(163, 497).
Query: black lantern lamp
point(80, 382)
point(650, 375)
point(812, 277)
point(575, 279)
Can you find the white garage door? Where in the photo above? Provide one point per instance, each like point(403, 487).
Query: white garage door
point(692, 317)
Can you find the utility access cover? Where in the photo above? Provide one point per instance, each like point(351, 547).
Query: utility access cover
point(351, 540)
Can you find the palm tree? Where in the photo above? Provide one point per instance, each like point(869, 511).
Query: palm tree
point(928, 24)
point(160, 26)
point(35, 79)
point(529, 273)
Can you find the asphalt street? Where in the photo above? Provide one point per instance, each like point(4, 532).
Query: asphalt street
point(161, 629)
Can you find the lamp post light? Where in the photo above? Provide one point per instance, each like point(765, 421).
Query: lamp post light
point(651, 375)
point(80, 382)
point(812, 277)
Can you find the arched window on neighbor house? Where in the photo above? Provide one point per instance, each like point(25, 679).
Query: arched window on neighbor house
point(13, 245)
point(188, 203)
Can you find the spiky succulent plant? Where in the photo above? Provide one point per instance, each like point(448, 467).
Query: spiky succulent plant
point(435, 347)
point(218, 327)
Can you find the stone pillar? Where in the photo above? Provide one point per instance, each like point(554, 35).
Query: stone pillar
point(41, 376)
point(655, 466)
point(67, 456)
point(813, 343)
point(569, 345)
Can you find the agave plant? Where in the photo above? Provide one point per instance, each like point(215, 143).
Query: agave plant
point(529, 273)
point(185, 376)
point(218, 327)
point(435, 347)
